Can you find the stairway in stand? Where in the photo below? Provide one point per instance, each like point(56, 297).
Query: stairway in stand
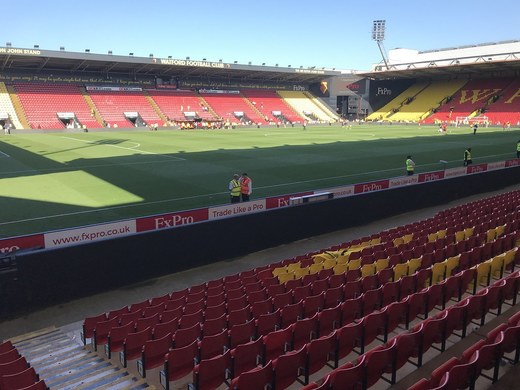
point(64, 363)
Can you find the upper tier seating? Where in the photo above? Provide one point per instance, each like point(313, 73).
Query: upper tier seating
point(426, 100)
point(225, 105)
point(41, 102)
point(112, 105)
point(175, 103)
point(267, 101)
point(475, 95)
point(302, 104)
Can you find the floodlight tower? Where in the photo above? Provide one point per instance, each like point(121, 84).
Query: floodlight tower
point(378, 35)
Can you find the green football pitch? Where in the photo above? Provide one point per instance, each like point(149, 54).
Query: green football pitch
point(59, 180)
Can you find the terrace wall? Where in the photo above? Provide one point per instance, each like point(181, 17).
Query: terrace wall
point(47, 277)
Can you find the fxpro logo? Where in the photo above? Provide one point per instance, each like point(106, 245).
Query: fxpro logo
point(383, 91)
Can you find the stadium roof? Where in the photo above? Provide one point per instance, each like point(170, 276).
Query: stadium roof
point(489, 59)
point(36, 60)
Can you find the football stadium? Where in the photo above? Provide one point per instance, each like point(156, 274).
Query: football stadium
point(171, 223)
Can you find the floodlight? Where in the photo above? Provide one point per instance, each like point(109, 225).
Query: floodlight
point(110, 52)
point(249, 63)
point(62, 48)
point(378, 35)
point(276, 65)
point(87, 50)
point(36, 46)
point(130, 54)
point(187, 58)
point(8, 44)
point(235, 62)
point(151, 55)
point(169, 56)
point(220, 60)
point(263, 63)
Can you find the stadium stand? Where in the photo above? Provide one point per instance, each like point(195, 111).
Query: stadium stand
point(268, 102)
point(467, 102)
point(175, 103)
point(396, 103)
point(233, 107)
point(42, 102)
point(426, 101)
point(113, 104)
point(16, 372)
point(433, 277)
point(505, 109)
point(306, 107)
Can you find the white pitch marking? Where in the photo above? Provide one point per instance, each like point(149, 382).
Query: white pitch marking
point(124, 147)
point(4, 154)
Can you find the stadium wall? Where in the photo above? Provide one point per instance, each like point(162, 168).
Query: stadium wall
point(46, 277)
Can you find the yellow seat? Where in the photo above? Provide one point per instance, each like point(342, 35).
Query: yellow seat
point(279, 271)
point(354, 264)
point(301, 272)
point(342, 259)
point(459, 236)
point(413, 265)
point(321, 257)
point(432, 237)
point(509, 257)
point(340, 269)
point(500, 230)
point(381, 264)
point(484, 273)
point(400, 270)
point(442, 234)
point(315, 268)
point(398, 241)
point(468, 232)
point(490, 235)
point(375, 241)
point(283, 278)
point(329, 263)
point(451, 264)
point(497, 266)
point(368, 269)
point(408, 238)
point(293, 266)
point(438, 272)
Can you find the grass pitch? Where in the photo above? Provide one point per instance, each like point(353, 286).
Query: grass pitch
point(59, 180)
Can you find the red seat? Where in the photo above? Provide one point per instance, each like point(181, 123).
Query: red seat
point(379, 361)
point(351, 310)
point(178, 363)
point(397, 314)
point(186, 336)
point(349, 337)
point(352, 289)
point(101, 331)
point(89, 324)
point(304, 330)
point(214, 326)
point(165, 328)
point(116, 338)
point(133, 345)
point(130, 318)
point(291, 313)
point(152, 354)
point(349, 376)
point(325, 385)
point(19, 380)
point(266, 323)
point(288, 368)
point(9, 356)
point(246, 356)
point(329, 319)
point(277, 343)
point(261, 307)
point(194, 307)
point(241, 333)
point(372, 300)
point(238, 303)
point(282, 300)
point(212, 312)
point(374, 326)
point(211, 346)
point(209, 374)
point(333, 296)
point(14, 367)
point(408, 345)
point(319, 353)
point(256, 379)
point(148, 322)
point(188, 320)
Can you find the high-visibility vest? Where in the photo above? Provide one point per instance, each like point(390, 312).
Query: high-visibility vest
point(467, 154)
point(235, 187)
point(518, 147)
point(409, 164)
point(244, 184)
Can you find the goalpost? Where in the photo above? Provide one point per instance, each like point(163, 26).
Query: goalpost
point(481, 120)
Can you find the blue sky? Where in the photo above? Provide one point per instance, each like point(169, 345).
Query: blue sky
point(323, 33)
